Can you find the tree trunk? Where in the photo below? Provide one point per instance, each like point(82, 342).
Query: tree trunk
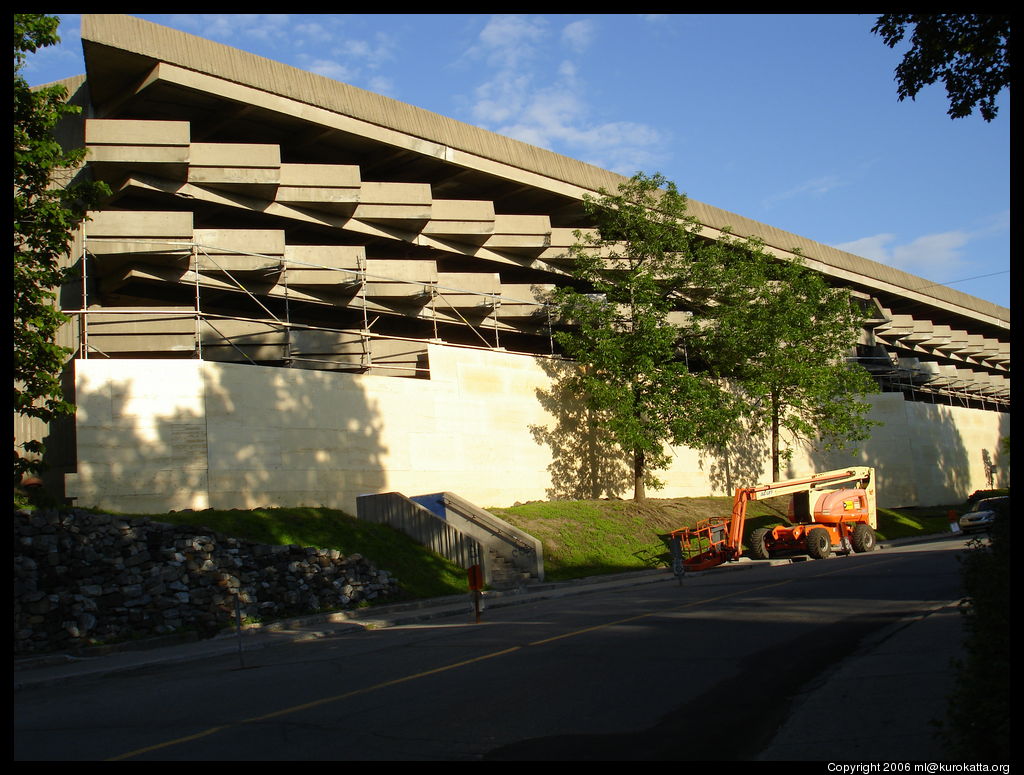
point(775, 436)
point(639, 462)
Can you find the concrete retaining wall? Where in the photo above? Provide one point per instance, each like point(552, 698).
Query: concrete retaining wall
point(154, 435)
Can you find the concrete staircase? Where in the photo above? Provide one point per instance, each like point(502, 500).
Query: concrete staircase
point(505, 575)
point(464, 533)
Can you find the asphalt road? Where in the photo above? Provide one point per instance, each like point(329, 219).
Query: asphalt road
point(705, 671)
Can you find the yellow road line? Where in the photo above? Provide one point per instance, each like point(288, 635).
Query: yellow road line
point(659, 612)
point(308, 705)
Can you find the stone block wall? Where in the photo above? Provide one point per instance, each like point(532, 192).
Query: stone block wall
point(81, 579)
point(154, 435)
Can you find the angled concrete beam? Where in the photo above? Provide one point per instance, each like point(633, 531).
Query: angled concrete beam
point(411, 280)
point(218, 331)
point(142, 331)
point(398, 358)
point(896, 327)
point(389, 270)
point(158, 147)
point(315, 342)
point(239, 250)
point(923, 331)
point(399, 203)
point(516, 299)
point(1000, 355)
point(118, 233)
point(953, 348)
point(256, 163)
point(382, 230)
point(476, 291)
point(461, 219)
point(351, 258)
point(338, 267)
point(520, 232)
point(331, 187)
point(939, 335)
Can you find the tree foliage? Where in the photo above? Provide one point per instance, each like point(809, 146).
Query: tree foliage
point(969, 52)
point(977, 719)
point(782, 335)
point(635, 269)
point(679, 336)
point(46, 211)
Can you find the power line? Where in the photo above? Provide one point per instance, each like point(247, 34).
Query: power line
point(964, 280)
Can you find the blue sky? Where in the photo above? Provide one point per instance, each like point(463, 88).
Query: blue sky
point(791, 120)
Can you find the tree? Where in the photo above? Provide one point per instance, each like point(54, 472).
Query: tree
point(781, 335)
point(632, 275)
point(46, 210)
point(679, 336)
point(970, 52)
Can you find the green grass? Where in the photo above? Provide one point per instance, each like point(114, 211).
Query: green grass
point(585, 538)
point(580, 538)
point(420, 572)
point(909, 522)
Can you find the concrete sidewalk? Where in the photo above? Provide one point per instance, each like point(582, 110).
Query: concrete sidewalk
point(879, 704)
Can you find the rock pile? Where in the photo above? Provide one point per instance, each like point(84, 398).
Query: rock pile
point(82, 579)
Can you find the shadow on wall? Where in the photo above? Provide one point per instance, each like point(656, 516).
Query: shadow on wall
point(742, 462)
point(585, 465)
point(58, 438)
point(292, 437)
point(161, 435)
point(996, 463)
point(137, 442)
point(923, 457)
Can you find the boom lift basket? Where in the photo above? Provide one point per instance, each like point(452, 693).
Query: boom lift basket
point(703, 546)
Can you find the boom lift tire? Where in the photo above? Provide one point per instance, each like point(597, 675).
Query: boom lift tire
point(863, 538)
point(758, 545)
point(819, 545)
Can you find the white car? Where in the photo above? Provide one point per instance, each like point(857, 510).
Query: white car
point(983, 514)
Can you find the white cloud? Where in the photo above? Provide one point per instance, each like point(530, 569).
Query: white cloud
point(370, 53)
point(814, 188)
point(352, 60)
point(508, 41)
point(578, 35)
point(330, 69)
point(935, 255)
point(314, 31)
point(533, 95)
point(381, 84)
point(230, 26)
point(52, 59)
point(870, 247)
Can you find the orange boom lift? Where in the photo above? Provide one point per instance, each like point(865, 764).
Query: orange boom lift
point(823, 520)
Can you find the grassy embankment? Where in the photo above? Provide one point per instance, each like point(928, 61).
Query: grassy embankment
point(580, 538)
